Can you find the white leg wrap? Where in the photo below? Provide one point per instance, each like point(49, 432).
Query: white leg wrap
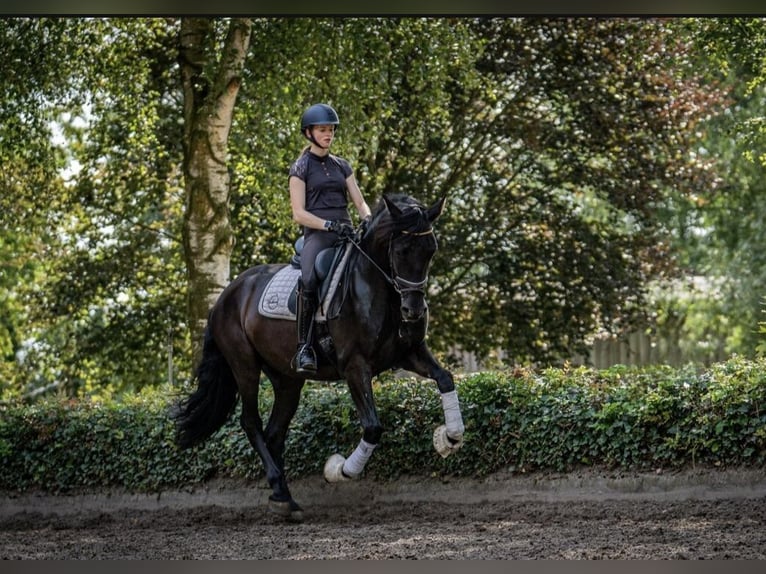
point(452, 417)
point(354, 464)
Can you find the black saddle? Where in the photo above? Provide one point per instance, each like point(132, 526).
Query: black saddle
point(324, 266)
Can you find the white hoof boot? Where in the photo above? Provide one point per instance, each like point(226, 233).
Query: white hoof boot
point(333, 468)
point(443, 444)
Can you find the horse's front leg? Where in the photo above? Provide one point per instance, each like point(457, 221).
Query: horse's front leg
point(337, 467)
point(448, 437)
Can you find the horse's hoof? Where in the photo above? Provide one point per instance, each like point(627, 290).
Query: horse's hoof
point(287, 509)
point(444, 444)
point(333, 469)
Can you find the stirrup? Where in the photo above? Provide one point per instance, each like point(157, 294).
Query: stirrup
point(305, 361)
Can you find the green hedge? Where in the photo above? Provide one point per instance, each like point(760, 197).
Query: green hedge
point(520, 421)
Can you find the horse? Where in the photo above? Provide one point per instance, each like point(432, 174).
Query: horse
point(380, 324)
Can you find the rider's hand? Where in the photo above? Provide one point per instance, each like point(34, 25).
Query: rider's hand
point(342, 228)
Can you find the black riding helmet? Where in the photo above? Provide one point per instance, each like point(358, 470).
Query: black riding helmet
point(318, 114)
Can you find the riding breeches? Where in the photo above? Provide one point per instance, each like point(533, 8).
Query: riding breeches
point(314, 240)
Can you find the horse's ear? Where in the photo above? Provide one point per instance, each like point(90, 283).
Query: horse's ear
point(392, 208)
point(436, 209)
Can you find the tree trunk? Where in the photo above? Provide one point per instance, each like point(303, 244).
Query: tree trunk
point(210, 88)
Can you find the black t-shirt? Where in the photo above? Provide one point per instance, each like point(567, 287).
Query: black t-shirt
point(325, 179)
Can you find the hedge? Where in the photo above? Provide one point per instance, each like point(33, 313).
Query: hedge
point(517, 421)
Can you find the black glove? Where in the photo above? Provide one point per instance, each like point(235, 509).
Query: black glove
point(342, 228)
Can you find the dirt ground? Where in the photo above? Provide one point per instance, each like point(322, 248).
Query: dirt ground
point(591, 515)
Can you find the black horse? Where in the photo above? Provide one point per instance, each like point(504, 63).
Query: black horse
point(380, 324)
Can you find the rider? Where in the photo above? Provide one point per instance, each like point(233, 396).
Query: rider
point(320, 187)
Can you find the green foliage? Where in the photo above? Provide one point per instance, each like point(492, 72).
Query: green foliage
point(516, 421)
point(761, 347)
point(580, 148)
point(738, 47)
point(97, 289)
point(718, 230)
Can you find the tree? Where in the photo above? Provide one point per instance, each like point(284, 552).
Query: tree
point(211, 80)
point(30, 162)
point(737, 47)
point(105, 313)
point(720, 229)
point(108, 272)
point(588, 134)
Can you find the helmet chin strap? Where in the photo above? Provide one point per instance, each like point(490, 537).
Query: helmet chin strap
point(313, 140)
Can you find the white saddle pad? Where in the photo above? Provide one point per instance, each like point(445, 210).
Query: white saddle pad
point(274, 301)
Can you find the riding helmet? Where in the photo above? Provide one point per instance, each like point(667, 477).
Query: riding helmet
point(319, 114)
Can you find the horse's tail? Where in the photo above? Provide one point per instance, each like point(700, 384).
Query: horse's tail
point(210, 406)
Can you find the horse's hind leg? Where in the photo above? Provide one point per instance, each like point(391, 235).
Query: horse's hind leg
point(280, 501)
point(246, 366)
point(287, 393)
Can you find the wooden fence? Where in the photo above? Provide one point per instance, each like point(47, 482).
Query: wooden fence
point(638, 349)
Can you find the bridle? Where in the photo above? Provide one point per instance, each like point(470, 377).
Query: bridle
point(399, 283)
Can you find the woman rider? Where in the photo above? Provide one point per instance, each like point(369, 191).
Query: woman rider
point(320, 187)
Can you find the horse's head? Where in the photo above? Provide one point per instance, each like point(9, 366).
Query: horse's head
point(411, 246)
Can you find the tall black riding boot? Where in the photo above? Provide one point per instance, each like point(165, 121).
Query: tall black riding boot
point(305, 361)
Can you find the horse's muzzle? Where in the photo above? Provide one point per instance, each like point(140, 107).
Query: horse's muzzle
point(413, 308)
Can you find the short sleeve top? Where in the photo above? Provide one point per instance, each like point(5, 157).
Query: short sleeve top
point(325, 179)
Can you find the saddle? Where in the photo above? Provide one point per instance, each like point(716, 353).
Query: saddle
point(326, 262)
point(280, 297)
